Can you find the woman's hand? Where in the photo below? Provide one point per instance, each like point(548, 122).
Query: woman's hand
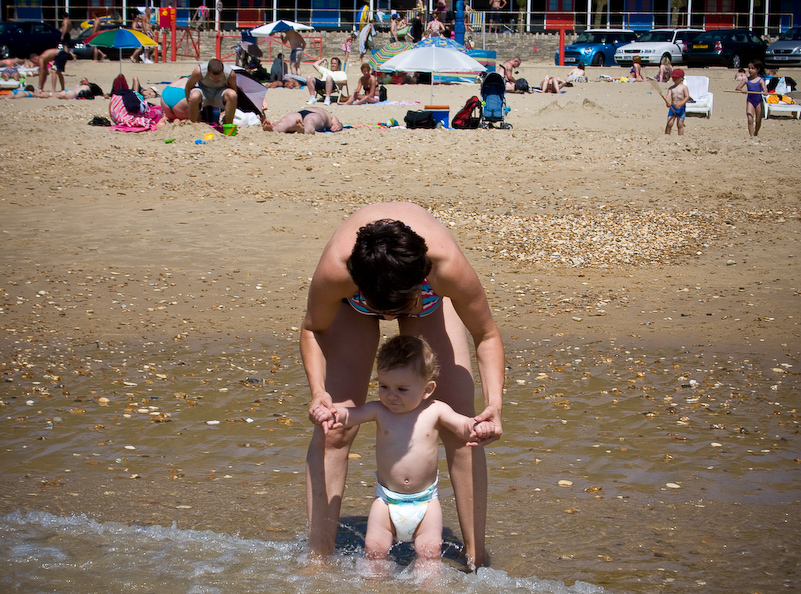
point(493, 416)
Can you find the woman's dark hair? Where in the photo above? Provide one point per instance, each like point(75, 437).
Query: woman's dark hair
point(388, 263)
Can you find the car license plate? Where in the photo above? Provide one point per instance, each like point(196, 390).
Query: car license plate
point(569, 60)
point(781, 57)
point(702, 46)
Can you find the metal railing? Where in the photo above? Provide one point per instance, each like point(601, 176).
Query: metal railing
point(506, 22)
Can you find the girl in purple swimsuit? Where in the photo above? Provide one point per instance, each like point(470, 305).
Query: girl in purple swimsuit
point(755, 88)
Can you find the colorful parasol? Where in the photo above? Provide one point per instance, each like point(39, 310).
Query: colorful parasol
point(388, 51)
point(121, 39)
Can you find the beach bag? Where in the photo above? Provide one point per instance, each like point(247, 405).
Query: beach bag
point(133, 101)
point(469, 116)
point(382, 93)
point(521, 85)
point(419, 119)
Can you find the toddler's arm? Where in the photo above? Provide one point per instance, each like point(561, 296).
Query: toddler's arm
point(471, 431)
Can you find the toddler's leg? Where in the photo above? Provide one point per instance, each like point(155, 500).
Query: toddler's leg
point(428, 540)
point(379, 537)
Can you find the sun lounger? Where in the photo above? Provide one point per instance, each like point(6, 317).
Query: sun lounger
point(781, 108)
point(700, 98)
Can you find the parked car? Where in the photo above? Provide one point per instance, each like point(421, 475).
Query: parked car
point(654, 45)
point(786, 50)
point(725, 47)
point(596, 47)
point(82, 49)
point(20, 39)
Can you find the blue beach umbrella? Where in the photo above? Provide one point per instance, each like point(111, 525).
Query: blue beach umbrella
point(445, 42)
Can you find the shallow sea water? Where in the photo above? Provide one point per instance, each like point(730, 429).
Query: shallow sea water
point(152, 466)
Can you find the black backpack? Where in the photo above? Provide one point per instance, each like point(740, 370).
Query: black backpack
point(382, 93)
point(420, 119)
point(521, 85)
point(469, 116)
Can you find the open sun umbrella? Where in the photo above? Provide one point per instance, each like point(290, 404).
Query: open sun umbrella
point(121, 39)
point(388, 51)
point(279, 27)
point(432, 59)
point(446, 42)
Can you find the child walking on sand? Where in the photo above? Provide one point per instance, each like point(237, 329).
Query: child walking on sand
point(347, 46)
point(677, 97)
point(755, 87)
point(407, 435)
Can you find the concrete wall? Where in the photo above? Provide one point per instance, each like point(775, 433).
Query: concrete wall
point(506, 46)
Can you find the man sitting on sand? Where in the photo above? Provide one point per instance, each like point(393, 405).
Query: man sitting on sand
point(305, 121)
point(212, 83)
point(508, 72)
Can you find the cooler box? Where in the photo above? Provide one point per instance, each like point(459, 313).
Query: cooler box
point(441, 114)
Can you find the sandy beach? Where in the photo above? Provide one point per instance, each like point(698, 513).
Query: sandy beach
point(590, 228)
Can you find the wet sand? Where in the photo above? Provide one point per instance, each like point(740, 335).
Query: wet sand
point(646, 286)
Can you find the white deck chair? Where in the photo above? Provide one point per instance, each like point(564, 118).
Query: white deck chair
point(701, 98)
point(793, 109)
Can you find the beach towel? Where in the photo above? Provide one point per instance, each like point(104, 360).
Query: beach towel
point(127, 122)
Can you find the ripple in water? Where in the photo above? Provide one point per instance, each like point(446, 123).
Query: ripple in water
point(44, 552)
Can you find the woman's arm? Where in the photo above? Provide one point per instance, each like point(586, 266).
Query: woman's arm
point(330, 284)
point(454, 277)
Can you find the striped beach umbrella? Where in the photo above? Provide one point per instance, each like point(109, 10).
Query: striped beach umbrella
point(387, 52)
point(121, 39)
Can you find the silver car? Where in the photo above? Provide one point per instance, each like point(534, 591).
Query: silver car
point(786, 50)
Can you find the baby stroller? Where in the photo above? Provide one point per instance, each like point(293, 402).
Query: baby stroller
point(494, 109)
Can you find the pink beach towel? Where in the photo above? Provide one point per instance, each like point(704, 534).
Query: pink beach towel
point(126, 122)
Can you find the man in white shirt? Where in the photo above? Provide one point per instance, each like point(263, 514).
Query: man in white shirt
point(328, 78)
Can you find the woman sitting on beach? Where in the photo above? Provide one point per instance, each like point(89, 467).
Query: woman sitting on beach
point(635, 74)
point(578, 74)
point(665, 68)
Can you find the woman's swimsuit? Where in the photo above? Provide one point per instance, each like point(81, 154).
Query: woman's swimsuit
point(172, 95)
point(756, 87)
point(431, 301)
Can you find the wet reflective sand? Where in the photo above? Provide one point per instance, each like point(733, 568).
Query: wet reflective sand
point(635, 470)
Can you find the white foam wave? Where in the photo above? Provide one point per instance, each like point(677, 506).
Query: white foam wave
point(79, 554)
